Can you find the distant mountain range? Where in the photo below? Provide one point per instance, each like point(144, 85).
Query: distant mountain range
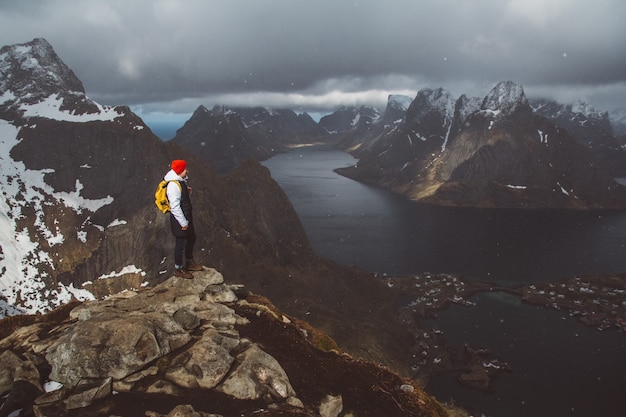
point(225, 137)
point(498, 151)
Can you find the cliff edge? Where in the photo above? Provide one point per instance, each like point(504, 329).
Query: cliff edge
point(197, 347)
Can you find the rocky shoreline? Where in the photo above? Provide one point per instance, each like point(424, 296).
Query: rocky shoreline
point(597, 301)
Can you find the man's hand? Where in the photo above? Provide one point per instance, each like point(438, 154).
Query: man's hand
point(185, 227)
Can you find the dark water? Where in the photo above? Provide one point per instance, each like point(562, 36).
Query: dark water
point(165, 130)
point(382, 232)
point(561, 367)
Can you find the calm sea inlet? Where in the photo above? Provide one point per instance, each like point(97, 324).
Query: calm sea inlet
point(561, 367)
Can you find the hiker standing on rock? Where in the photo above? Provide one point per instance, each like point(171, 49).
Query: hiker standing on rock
point(181, 219)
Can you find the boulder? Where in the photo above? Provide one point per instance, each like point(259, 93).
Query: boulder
point(257, 375)
point(331, 406)
point(115, 347)
point(178, 335)
point(9, 362)
point(205, 363)
point(182, 411)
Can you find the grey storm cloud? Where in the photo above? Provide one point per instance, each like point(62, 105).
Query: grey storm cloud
point(173, 55)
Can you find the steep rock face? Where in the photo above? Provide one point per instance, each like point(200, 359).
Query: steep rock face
point(340, 120)
point(397, 105)
point(371, 127)
point(397, 152)
point(505, 98)
point(32, 72)
point(220, 139)
point(501, 154)
point(590, 127)
point(366, 131)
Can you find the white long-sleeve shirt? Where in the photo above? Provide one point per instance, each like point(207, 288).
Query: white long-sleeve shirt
point(174, 197)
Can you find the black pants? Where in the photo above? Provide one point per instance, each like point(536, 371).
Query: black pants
point(184, 246)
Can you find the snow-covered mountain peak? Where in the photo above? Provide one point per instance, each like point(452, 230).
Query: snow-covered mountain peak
point(428, 100)
point(366, 115)
point(35, 82)
point(588, 110)
point(399, 102)
point(504, 98)
point(33, 71)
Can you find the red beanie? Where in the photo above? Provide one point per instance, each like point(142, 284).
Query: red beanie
point(178, 166)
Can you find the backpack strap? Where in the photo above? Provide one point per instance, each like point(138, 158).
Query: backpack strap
point(177, 183)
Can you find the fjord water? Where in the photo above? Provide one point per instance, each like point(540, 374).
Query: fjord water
point(561, 367)
point(377, 230)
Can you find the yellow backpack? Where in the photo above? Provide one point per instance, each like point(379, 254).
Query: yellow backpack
point(160, 196)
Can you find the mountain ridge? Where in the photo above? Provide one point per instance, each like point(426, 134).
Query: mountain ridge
point(224, 137)
point(495, 156)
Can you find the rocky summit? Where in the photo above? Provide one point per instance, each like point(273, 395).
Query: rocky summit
point(190, 347)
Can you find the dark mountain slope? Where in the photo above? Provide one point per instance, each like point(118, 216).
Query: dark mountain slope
point(225, 137)
point(500, 154)
point(219, 139)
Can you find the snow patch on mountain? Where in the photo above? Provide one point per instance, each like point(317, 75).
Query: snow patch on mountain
point(437, 99)
point(22, 260)
point(128, 269)
point(50, 108)
point(588, 110)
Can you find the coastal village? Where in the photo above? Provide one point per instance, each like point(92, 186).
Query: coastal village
point(597, 301)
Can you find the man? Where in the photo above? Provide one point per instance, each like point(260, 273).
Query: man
point(181, 219)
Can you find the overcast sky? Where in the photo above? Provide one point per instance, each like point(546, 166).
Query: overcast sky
point(170, 56)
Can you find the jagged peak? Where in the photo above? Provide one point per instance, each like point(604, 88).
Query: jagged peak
point(399, 102)
point(41, 71)
point(369, 111)
point(505, 98)
point(588, 110)
point(366, 115)
point(579, 108)
point(466, 105)
point(216, 110)
point(35, 82)
point(428, 99)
